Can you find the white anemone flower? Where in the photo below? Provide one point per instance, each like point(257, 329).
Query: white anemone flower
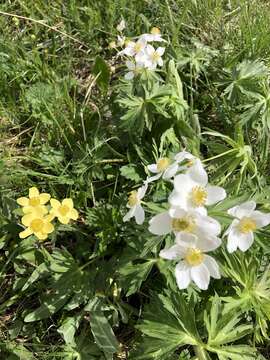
point(179, 221)
point(154, 35)
point(247, 220)
point(121, 26)
point(164, 168)
point(194, 264)
point(194, 194)
point(134, 205)
point(134, 69)
point(153, 57)
point(192, 167)
point(136, 49)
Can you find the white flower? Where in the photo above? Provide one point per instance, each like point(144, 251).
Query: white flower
point(153, 57)
point(181, 221)
point(193, 166)
point(121, 26)
point(154, 35)
point(134, 205)
point(194, 264)
point(136, 49)
point(134, 69)
point(163, 168)
point(189, 193)
point(240, 232)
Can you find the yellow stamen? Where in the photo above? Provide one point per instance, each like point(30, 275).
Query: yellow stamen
point(36, 225)
point(155, 31)
point(155, 56)
point(34, 201)
point(198, 196)
point(246, 225)
point(133, 198)
point(137, 47)
point(194, 257)
point(163, 164)
point(186, 224)
point(190, 163)
point(64, 210)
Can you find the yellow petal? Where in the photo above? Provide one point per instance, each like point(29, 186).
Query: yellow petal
point(23, 201)
point(25, 233)
point(74, 214)
point(50, 217)
point(68, 202)
point(55, 203)
point(41, 236)
point(44, 198)
point(48, 228)
point(26, 219)
point(63, 219)
point(33, 192)
point(37, 210)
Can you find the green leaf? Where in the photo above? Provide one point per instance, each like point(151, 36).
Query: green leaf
point(102, 72)
point(132, 275)
point(102, 331)
point(69, 327)
point(129, 172)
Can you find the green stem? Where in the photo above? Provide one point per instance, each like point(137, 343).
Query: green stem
point(201, 354)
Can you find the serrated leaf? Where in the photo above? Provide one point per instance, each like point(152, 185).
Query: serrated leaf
point(129, 172)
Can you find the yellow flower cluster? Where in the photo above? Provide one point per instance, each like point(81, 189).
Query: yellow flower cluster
point(38, 216)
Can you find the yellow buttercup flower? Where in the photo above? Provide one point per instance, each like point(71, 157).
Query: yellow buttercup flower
point(38, 225)
point(64, 211)
point(35, 203)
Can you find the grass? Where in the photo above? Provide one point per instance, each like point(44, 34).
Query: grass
point(62, 130)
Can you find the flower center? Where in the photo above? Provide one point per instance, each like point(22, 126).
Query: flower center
point(133, 198)
point(64, 210)
point(246, 225)
point(190, 163)
point(34, 201)
point(36, 225)
point(155, 56)
point(138, 47)
point(163, 163)
point(194, 257)
point(186, 224)
point(155, 31)
point(198, 196)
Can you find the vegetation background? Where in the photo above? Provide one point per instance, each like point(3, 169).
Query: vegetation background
point(69, 125)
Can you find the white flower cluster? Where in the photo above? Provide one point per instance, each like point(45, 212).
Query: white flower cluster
point(195, 232)
point(141, 54)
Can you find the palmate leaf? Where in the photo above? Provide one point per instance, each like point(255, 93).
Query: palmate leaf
point(164, 332)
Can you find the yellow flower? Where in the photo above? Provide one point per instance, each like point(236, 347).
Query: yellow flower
point(38, 225)
point(35, 203)
point(64, 211)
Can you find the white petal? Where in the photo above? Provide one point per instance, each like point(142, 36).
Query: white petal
point(142, 190)
point(207, 225)
point(260, 218)
point(178, 200)
point(242, 210)
point(177, 212)
point(232, 243)
point(129, 75)
point(245, 241)
point(173, 253)
point(233, 225)
point(170, 171)
point(129, 214)
point(186, 240)
point(160, 62)
point(149, 50)
point(181, 156)
point(212, 266)
point(160, 224)
point(182, 275)
point(160, 50)
point(183, 183)
point(153, 178)
point(139, 214)
point(153, 168)
point(201, 276)
point(197, 173)
point(214, 194)
point(207, 242)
